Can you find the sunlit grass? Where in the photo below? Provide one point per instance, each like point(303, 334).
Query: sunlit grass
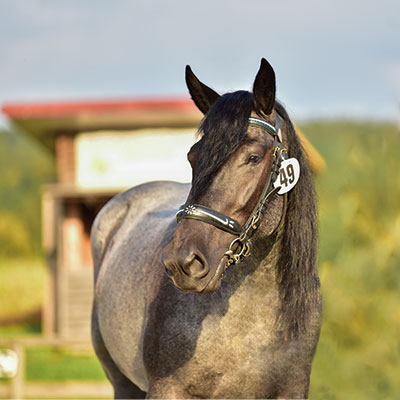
point(21, 287)
point(61, 364)
point(43, 364)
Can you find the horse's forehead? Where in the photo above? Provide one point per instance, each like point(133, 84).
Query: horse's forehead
point(256, 135)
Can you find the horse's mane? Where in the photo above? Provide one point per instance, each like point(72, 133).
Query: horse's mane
point(297, 275)
point(222, 131)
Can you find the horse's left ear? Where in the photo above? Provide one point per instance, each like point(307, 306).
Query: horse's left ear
point(264, 88)
point(203, 96)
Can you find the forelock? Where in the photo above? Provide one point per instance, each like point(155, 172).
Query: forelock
point(222, 131)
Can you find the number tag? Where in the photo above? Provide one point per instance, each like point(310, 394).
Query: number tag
point(288, 175)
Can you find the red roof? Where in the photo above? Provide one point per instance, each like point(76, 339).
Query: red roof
point(70, 108)
point(46, 120)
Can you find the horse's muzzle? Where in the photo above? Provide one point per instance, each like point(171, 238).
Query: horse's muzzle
point(188, 269)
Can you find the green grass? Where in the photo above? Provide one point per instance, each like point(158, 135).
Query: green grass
point(61, 364)
point(44, 364)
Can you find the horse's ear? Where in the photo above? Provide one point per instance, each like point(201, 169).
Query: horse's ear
point(203, 96)
point(264, 88)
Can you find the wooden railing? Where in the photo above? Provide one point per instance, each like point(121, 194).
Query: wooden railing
point(18, 388)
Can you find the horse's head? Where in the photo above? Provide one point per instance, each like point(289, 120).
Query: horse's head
point(235, 164)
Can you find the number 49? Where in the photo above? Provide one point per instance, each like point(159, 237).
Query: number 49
point(289, 174)
point(286, 175)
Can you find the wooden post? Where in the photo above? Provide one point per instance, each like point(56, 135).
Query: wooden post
point(65, 157)
point(17, 383)
point(48, 312)
point(50, 218)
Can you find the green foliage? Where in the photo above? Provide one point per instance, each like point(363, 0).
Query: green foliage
point(21, 287)
point(359, 350)
point(24, 167)
point(43, 364)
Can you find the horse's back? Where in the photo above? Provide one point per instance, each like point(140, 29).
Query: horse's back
point(126, 239)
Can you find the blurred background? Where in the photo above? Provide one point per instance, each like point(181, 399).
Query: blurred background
point(94, 101)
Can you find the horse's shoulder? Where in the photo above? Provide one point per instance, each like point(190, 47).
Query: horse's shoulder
point(140, 198)
point(106, 223)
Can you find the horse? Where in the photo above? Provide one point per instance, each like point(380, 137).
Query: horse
point(220, 297)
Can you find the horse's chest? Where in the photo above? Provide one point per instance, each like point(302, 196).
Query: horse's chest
point(238, 342)
point(215, 344)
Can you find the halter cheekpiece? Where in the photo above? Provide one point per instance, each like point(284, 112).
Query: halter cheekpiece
point(241, 246)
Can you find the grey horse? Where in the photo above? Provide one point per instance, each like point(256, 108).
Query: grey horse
point(226, 303)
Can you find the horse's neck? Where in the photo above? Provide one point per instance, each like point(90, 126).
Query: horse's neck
point(257, 275)
point(249, 299)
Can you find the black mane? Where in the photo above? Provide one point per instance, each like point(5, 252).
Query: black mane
point(297, 274)
point(222, 131)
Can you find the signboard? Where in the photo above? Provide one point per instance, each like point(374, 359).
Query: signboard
point(119, 160)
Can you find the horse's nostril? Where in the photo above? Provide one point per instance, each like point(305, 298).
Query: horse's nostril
point(184, 262)
point(195, 267)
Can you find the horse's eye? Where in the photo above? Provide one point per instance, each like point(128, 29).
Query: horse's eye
point(254, 159)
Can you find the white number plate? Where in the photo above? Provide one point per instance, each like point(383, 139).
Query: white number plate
point(288, 175)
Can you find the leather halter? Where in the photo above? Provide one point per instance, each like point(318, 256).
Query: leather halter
point(241, 246)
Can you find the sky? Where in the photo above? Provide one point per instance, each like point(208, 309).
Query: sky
point(331, 58)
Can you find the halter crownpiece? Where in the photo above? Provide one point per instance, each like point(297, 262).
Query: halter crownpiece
point(241, 246)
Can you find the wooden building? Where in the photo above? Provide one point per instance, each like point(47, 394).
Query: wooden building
point(101, 148)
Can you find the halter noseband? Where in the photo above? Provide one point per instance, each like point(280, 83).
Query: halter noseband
point(241, 246)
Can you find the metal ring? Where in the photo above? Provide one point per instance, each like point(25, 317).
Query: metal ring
point(233, 243)
point(255, 220)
